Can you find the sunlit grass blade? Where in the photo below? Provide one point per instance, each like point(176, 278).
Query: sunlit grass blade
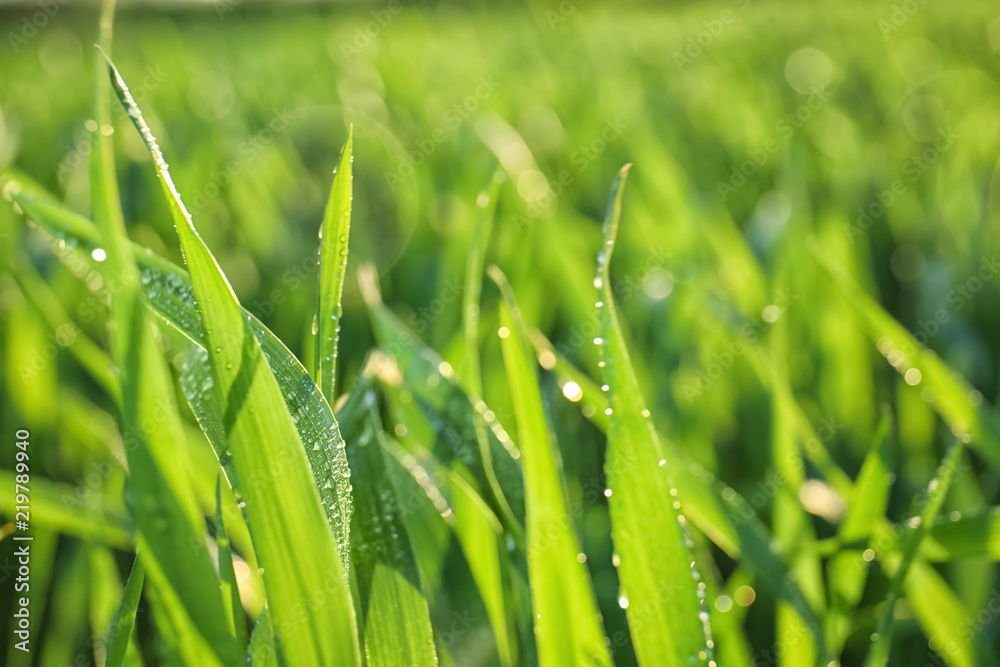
point(968, 536)
point(713, 507)
point(334, 237)
point(657, 573)
point(454, 415)
point(942, 615)
point(481, 536)
point(878, 654)
point(227, 575)
point(487, 205)
point(567, 626)
point(169, 293)
point(848, 571)
point(168, 520)
point(395, 621)
point(951, 396)
point(292, 539)
point(121, 629)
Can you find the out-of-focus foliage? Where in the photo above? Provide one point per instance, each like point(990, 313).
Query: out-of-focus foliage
point(805, 277)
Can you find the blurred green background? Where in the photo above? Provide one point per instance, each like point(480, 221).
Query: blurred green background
point(756, 128)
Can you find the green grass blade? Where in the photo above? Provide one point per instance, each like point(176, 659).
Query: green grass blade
point(487, 206)
point(292, 539)
point(567, 626)
point(454, 414)
point(952, 397)
point(227, 575)
point(657, 572)
point(261, 651)
point(878, 654)
point(848, 571)
point(169, 293)
point(793, 527)
point(334, 236)
point(713, 507)
point(395, 620)
point(159, 493)
point(121, 630)
point(943, 616)
point(968, 536)
point(481, 536)
point(57, 507)
point(87, 352)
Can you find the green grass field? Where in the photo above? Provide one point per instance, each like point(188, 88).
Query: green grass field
point(518, 403)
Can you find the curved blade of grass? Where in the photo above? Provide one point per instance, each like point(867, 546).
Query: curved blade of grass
point(169, 293)
point(878, 654)
point(334, 236)
point(657, 573)
point(567, 626)
point(713, 507)
point(158, 491)
point(395, 620)
point(121, 630)
point(292, 539)
point(951, 397)
point(453, 415)
point(848, 571)
point(227, 575)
